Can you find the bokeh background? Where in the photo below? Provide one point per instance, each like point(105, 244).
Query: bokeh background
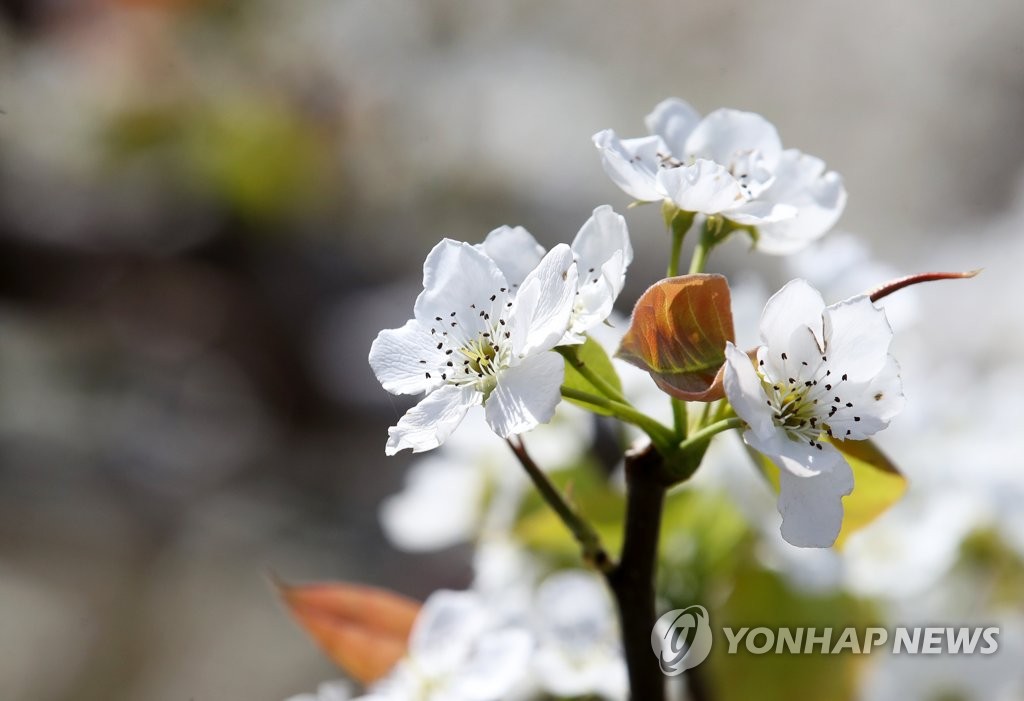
point(208, 208)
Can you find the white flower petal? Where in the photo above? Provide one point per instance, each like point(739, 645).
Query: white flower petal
point(515, 251)
point(573, 608)
point(339, 690)
point(745, 393)
point(819, 198)
point(797, 457)
point(579, 651)
point(455, 275)
point(812, 507)
point(594, 303)
point(673, 120)
point(704, 186)
point(526, 395)
point(795, 306)
point(429, 423)
point(395, 356)
point(445, 631)
point(632, 164)
point(761, 212)
point(727, 135)
point(802, 361)
point(600, 238)
point(857, 338)
point(440, 505)
point(603, 252)
point(875, 403)
point(543, 305)
point(498, 661)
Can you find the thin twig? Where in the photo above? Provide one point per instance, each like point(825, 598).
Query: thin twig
point(590, 542)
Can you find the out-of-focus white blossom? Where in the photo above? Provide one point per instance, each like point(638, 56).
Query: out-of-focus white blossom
point(328, 691)
point(579, 650)
point(457, 653)
point(474, 484)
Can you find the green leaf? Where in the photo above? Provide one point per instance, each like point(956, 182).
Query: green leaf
point(877, 484)
point(760, 598)
point(597, 361)
point(678, 334)
point(703, 537)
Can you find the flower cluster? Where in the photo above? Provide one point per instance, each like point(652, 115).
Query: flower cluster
point(495, 319)
point(504, 329)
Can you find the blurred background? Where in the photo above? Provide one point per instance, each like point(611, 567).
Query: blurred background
point(208, 208)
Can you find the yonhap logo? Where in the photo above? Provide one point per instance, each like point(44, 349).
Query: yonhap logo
point(681, 639)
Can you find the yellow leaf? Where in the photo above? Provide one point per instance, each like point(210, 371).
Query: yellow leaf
point(877, 484)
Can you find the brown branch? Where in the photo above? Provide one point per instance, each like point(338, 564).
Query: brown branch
point(632, 580)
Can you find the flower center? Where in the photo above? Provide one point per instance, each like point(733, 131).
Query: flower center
point(474, 343)
point(809, 402)
point(795, 411)
point(481, 356)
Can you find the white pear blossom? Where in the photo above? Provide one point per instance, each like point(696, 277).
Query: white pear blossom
point(476, 340)
point(730, 163)
point(602, 252)
point(328, 691)
point(579, 650)
point(457, 653)
point(821, 372)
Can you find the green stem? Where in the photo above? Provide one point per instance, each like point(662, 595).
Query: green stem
point(707, 241)
point(571, 354)
point(662, 437)
point(705, 414)
point(677, 249)
point(679, 418)
point(707, 432)
point(680, 223)
point(590, 542)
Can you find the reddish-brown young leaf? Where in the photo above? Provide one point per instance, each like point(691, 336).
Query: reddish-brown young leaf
point(678, 333)
point(364, 630)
